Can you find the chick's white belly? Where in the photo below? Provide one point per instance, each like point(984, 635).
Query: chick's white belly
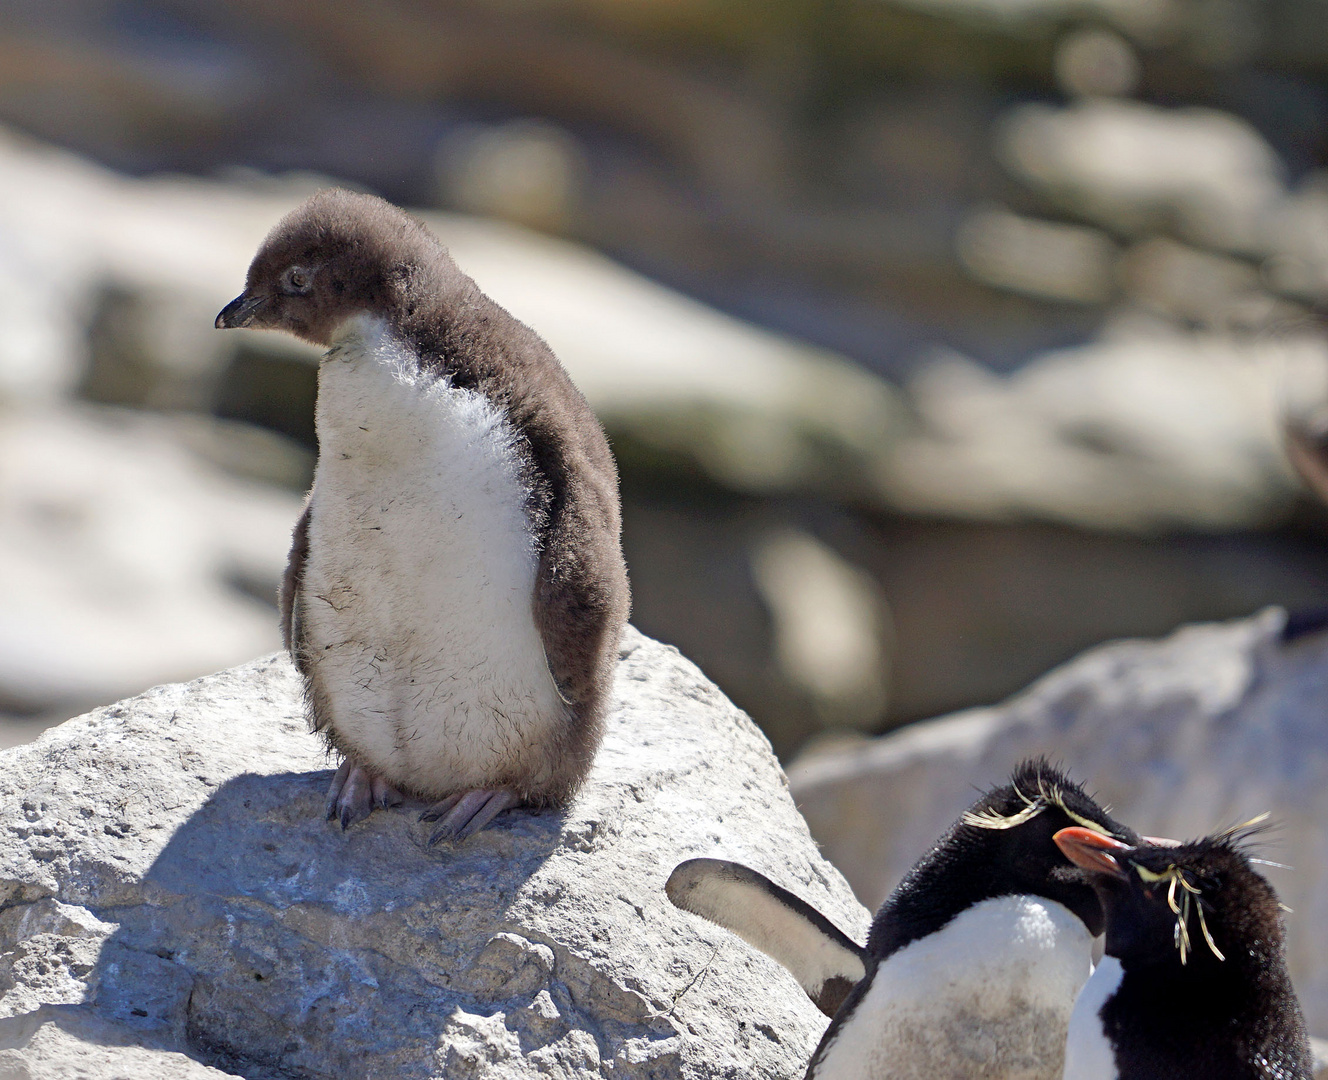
point(416, 600)
point(987, 997)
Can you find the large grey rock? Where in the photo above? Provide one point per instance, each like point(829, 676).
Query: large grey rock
point(69, 1043)
point(1202, 730)
point(167, 882)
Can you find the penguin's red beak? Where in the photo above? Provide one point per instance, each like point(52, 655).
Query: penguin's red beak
point(1091, 851)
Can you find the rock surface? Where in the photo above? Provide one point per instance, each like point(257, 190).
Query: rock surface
point(1201, 730)
point(168, 887)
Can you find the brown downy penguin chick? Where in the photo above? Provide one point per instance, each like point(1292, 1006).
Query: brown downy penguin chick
point(456, 586)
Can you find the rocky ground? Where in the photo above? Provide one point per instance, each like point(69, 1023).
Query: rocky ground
point(175, 904)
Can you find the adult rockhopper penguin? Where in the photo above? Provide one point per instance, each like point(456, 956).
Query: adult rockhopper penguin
point(456, 587)
point(973, 963)
point(1194, 984)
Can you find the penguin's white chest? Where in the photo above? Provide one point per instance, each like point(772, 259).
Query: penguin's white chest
point(1089, 1055)
point(416, 601)
point(989, 995)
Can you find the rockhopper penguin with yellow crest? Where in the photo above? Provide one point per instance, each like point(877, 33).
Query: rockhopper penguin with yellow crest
point(1194, 984)
point(456, 587)
point(973, 963)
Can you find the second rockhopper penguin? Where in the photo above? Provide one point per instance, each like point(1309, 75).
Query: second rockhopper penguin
point(456, 587)
point(1194, 984)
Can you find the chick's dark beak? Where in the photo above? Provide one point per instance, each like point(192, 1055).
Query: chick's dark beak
point(239, 312)
point(1091, 851)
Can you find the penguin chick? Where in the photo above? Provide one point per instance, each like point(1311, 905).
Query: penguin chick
point(972, 964)
point(456, 587)
point(1194, 981)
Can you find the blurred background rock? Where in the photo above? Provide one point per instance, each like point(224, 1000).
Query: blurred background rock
point(938, 339)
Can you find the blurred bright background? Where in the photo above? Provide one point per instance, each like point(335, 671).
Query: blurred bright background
point(937, 339)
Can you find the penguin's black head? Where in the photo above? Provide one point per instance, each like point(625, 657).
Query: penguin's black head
point(339, 254)
point(1198, 904)
point(1002, 846)
point(1203, 989)
point(1014, 826)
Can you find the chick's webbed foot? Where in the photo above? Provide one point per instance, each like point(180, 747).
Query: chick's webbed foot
point(355, 791)
point(461, 816)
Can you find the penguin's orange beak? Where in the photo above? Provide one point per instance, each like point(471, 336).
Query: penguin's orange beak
point(1091, 851)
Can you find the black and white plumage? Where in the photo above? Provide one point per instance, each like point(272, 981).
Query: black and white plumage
point(1194, 981)
point(972, 964)
point(456, 587)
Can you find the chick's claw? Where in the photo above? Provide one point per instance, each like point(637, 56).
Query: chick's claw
point(355, 791)
point(464, 815)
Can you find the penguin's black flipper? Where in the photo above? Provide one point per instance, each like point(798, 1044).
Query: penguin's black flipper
point(824, 960)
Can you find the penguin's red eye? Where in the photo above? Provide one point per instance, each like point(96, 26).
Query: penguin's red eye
point(296, 280)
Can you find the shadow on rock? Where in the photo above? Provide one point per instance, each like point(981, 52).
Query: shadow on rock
point(267, 935)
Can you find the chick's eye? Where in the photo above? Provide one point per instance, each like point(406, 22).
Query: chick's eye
point(296, 280)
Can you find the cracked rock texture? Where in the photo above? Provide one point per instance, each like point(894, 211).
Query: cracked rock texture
point(173, 905)
point(1182, 736)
